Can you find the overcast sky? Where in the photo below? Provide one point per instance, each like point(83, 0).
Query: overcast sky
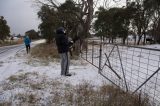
point(21, 16)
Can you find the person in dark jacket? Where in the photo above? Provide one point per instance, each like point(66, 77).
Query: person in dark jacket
point(63, 49)
point(27, 42)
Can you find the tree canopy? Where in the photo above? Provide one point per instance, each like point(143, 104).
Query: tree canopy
point(112, 23)
point(138, 17)
point(4, 29)
point(76, 17)
point(32, 34)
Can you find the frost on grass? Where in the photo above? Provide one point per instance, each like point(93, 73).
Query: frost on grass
point(34, 81)
point(31, 88)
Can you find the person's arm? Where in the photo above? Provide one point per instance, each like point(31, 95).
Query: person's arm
point(29, 40)
point(64, 40)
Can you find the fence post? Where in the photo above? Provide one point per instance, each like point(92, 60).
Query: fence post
point(100, 57)
point(86, 49)
point(139, 98)
point(92, 51)
point(122, 68)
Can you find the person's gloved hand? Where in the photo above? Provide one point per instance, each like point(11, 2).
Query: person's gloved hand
point(70, 44)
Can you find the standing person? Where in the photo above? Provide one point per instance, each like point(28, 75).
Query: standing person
point(27, 42)
point(63, 48)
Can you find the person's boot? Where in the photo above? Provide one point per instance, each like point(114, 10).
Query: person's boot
point(68, 74)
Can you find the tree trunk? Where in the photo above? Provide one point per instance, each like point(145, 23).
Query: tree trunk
point(144, 39)
point(139, 39)
point(124, 39)
point(139, 34)
point(112, 39)
point(158, 32)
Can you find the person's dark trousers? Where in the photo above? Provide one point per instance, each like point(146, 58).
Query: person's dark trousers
point(64, 63)
point(28, 48)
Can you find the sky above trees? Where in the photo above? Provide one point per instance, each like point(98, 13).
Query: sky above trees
point(21, 15)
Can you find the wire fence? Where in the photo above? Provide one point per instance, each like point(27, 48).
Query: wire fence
point(134, 69)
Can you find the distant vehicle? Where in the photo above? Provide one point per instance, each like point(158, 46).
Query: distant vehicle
point(149, 39)
point(15, 38)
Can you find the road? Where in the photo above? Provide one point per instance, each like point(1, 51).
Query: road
point(10, 50)
point(7, 51)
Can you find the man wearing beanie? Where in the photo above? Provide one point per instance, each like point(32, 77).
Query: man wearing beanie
point(63, 48)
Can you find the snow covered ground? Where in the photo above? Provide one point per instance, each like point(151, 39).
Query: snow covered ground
point(19, 68)
point(22, 75)
point(138, 63)
point(22, 62)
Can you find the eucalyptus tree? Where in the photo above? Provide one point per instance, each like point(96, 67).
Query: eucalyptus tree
point(154, 7)
point(141, 19)
point(32, 34)
point(4, 29)
point(68, 16)
point(121, 24)
point(49, 20)
point(112, 23)
point(84, 15)
point(103, 23)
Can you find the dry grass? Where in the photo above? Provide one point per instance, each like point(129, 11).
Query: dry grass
point(7, 43)
point(26, 99)
point(20, 77)
point(45, 51)
point(86, 95)
point(6, 104)
point(58, 93)
point(49, 52)
point(15, 78)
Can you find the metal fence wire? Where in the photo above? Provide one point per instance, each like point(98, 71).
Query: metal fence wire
point(134, 69)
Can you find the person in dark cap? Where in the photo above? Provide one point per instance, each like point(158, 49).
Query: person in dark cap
point(63, 48)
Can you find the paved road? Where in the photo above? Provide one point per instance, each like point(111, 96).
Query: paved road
point(6, 51)
point(9, 64)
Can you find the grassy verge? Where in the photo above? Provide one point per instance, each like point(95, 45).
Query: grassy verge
point(8, 43)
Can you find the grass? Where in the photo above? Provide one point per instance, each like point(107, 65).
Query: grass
point(44, 51)
point(48, 52)
point(7, 43)
point(20, 77)
point(6, 104)
point(38, 90)
point(26, 99)
point(15, 78)
point(106, 95)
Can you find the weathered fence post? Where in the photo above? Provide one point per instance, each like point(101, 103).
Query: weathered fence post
point(100, 57)
point(92, 51)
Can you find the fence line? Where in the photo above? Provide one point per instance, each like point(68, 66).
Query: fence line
point(135, 69)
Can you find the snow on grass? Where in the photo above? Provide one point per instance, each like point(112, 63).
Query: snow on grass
point(138, 65)
point(25, 79)
point(154, 46)
point(28, 80)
